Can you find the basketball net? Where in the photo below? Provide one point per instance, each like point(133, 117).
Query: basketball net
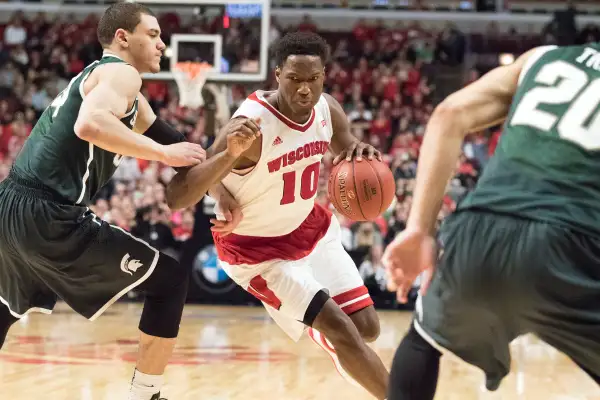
point(190, 77)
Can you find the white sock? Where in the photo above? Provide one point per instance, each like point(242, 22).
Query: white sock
point(144, 386)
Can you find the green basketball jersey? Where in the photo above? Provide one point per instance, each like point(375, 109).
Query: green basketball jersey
point(547, 163)
point(53, 154)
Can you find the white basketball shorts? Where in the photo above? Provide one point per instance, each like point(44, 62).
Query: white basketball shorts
point(286, 288)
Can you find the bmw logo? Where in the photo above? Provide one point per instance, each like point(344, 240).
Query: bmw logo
point(208, 274)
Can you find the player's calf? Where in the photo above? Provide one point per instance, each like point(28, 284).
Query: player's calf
point(355, 357)
point(166, 291)
point(415, 369)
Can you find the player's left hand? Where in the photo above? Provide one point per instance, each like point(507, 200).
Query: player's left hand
point(410, 254)
point(231, 211)
point(358, 150)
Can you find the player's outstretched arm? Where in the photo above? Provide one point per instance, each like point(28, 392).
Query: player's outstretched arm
point(343, 143)
point(189, 186)
point(107, 102)
point(483, 103)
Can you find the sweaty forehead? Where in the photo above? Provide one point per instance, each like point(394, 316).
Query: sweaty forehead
point(303, 64)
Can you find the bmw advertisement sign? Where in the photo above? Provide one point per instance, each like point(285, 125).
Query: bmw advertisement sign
point(208, 274)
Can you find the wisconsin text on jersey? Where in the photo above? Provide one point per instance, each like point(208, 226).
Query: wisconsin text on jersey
point(308, 150)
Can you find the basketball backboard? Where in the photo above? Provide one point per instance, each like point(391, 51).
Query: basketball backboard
point(196, 48)
point(232, 35)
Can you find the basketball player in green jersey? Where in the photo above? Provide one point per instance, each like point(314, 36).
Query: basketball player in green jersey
point(521, 254)
point(51, 245)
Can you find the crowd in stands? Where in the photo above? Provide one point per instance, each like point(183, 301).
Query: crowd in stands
point(380, 75)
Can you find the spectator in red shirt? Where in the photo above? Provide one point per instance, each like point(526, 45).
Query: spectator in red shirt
point(338, 94)
point(365, 76)
point(19, 134)
point(493, 142)
point(307, 24)
point(75, 64)
point(381, 127)
point(362, 31)
point(391, 86)
point(184, 231)
point(413, 80)
point(337, 75)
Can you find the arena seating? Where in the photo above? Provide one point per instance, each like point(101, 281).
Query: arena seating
point(381, 75)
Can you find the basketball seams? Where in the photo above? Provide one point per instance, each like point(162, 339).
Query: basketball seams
point(356, 191)
point(332, 183)
point(380, 187)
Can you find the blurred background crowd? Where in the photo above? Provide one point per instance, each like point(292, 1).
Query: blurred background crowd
point(389, 76)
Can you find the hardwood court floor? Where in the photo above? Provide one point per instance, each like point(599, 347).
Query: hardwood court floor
point(237, 353)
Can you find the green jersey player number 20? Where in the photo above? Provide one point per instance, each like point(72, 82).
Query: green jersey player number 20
point(580, 122)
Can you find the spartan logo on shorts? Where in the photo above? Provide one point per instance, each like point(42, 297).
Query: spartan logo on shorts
point(129, 265)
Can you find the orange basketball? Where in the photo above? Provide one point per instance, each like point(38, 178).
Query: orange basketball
point(361, 190)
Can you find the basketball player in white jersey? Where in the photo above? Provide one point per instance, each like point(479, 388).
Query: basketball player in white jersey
point(287, 250)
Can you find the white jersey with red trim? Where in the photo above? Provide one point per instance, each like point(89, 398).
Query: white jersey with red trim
point(278, 194)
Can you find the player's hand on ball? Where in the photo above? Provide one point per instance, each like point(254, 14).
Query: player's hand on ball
point(410, 254)
point(358, 150)
point(231, 211)
point(241, 133)
point(183, 154)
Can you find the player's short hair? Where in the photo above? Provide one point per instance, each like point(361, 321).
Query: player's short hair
point(120, 16)
point(300, 43)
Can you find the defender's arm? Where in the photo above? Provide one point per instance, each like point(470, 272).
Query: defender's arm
point(153, 127)
point(484, 103)
point(158, 130)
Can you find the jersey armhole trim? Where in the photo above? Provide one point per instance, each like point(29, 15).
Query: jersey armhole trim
point(535, 57)
point(133, 108)
point(84, 79)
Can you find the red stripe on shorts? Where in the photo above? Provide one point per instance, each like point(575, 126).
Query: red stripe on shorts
point(259, 289)
point(347, 300)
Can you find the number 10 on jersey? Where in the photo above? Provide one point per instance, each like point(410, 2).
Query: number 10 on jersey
point(309, 183)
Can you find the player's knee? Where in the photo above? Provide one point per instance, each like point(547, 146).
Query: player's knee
point(370, 333)
point(166, 292)
point(337, 326)
point(176, 278)
point(169, 277)
point(179, 272)
point(367, 323)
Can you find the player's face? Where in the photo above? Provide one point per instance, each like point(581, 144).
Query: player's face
point(146, 46)
point(301, 82)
